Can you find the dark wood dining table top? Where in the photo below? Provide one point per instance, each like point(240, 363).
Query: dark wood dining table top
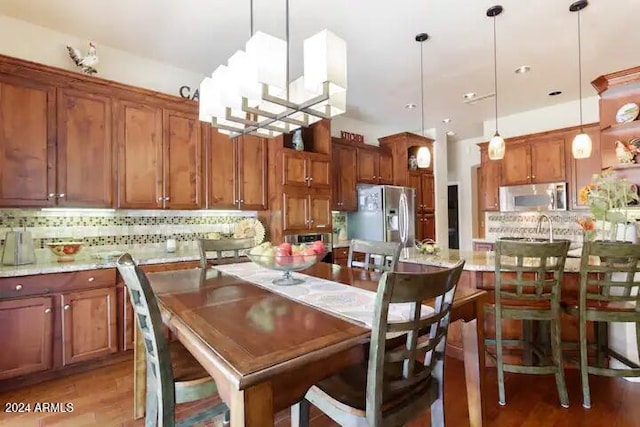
point(256, 333)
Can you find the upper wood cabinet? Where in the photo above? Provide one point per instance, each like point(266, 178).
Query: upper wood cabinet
point(385, 168)
point(422, 182)
point(305, 210)
point(305, 169)
point(534, 160)
point(345, 196)
point(27, 142)
point(371, 169)
point(236, 172)
point(159, 157)
point(489, 182)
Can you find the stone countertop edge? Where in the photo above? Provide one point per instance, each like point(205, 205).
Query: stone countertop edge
point(142, 258)
point(482, 240)
point(474, 260)
point(344, 244)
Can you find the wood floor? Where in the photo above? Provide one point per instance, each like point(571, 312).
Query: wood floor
point(103, 397)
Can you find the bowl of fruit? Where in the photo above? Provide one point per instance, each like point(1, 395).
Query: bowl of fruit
point(287, 258)
point(65, 251)
point(428, 247)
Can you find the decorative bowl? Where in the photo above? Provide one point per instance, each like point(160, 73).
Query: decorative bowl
point(428, 247)
point(65, 251)
point(286, 264)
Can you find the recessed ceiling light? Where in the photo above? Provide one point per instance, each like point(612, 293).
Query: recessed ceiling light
point(523, 69)
point(445, 121)
point(410, 106)
point(469, 95)
point(451, 133)
point(555, 93)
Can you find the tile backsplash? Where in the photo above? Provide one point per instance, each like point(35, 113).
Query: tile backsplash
point(109, 229)
point(524, 224)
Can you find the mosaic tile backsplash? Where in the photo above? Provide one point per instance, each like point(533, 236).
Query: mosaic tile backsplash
point(106, 229)
point(524, 224)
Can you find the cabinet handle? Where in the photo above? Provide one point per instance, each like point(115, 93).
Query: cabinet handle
point(18, 287)
point(311, 221)
point(167, 199)
point(533, 177)
point(47, 310)
point(66, 307)
point(91, 279)
point(52, 195)
point(241, 201)
point(160, 199)
point(310, 179)
point(61, 195)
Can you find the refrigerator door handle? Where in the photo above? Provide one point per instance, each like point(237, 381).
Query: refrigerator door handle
point(403, 217)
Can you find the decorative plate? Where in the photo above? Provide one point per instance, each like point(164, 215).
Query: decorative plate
point(250, 227)
point(627, 113)
point(635, 142)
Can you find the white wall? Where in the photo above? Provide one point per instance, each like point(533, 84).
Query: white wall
point(441, 183)
point(27, 41)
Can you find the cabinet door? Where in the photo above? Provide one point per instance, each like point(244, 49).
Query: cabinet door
point(385, 168)
point(139, 156)
point(426, 189)
point(547, 160)
point(85, 149)
point(182, 161)
point(428, 226)
point(516, 164)
point(345, 175)
point(294, 169)
point(336, 194)
point(27, 328)
point(582, 170)
point(27, 142)
point(222, 172)
point(320, 211)
point(414, 182)
point(88, 325)
point(294, 210)
point(319, 171)
point(489, 183)
point(367, 165)
point(252, 173)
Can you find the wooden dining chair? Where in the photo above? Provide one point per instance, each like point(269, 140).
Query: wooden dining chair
point(370, 255)
point(173, 375)
point(220, 246)
point(528, 277)
point(404, 373)
point(609, 285)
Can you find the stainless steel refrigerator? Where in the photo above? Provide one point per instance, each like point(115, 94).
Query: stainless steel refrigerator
point(386, 213)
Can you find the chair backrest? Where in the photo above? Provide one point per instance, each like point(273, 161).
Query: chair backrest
point(609, 272)
point(398, 369)
point(378, 256)
point(156, 347)
point(223, 245)
point(529, 271)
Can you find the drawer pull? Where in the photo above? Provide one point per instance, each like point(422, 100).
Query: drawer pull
point(91, 279)
point(47, 310)
point(66, 307)
point(18, 287)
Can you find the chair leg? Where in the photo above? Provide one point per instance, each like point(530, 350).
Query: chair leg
point(499, 366)
point(151, 410)
point(227, 418)
point(437, 407)
point(584, 362)
point(556, 349)
point(437, 413)
point(300, 414)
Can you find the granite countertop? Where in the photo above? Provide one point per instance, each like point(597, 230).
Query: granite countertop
point(474, 261)
point(85, 262)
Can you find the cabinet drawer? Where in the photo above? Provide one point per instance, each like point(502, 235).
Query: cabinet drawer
point(340, 253)
point(42, 284)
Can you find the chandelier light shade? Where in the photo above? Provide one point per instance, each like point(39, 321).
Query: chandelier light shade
point(423, 156)
point(581, 145)
point(252, 94)
point(496, 145)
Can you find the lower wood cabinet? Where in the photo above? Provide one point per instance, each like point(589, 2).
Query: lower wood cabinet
point(88, 325)
point(425, 226)
point(341, 256)
point(27, 328)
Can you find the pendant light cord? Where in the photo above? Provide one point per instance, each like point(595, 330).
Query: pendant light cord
point(286, 11)
point(580, 71)
point(495, 72)
point(421, 88)
point(251, 18)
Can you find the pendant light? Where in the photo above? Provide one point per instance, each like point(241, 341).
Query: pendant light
point(496, 145)
point(423, 156)
point(581, 145)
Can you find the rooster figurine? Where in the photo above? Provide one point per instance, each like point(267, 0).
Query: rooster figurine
point(88, 62)
point(624, 153)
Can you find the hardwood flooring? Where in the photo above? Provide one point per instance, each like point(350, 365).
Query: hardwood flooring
point(103, 397)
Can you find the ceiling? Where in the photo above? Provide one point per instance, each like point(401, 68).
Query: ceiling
point(383, 58)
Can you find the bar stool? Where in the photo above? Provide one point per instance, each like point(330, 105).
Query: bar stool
point(528, 277)
point(609, 283)
point(223, 245)
point(378, 256)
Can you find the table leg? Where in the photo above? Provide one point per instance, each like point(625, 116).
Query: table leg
point(139, 374)
point(252, 406)
point(474, 368)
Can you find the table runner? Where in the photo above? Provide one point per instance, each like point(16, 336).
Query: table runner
point(336, 298)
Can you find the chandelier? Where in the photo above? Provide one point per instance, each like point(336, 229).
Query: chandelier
point(252, 94)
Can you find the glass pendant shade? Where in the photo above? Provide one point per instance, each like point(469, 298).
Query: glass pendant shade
point(269, 56)
point(244, 77)
point(581, 146)
point(206, 100)
point(496, 147)
point(423, 156)
point(325, 60)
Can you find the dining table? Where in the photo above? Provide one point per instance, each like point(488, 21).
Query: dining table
point(265, 347)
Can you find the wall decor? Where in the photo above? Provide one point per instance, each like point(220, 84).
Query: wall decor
point(87, 62)
point(351, 137)
point(187, 93)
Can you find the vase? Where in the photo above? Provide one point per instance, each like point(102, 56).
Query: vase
point(298, 144)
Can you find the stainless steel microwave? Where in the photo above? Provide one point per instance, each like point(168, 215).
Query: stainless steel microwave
point(534, 197)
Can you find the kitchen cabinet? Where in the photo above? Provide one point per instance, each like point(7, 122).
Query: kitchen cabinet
point(489, 182)
point(27, 327)
point(159, 157)
point(423, 184)
point(426, 226)
point(237, 172)
point(305, 169)
point(345, 196)
point(88, 325)
point(27, 142)
point(534, 160)
point(341, 256)
point(374, 166)
point(304, 211)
